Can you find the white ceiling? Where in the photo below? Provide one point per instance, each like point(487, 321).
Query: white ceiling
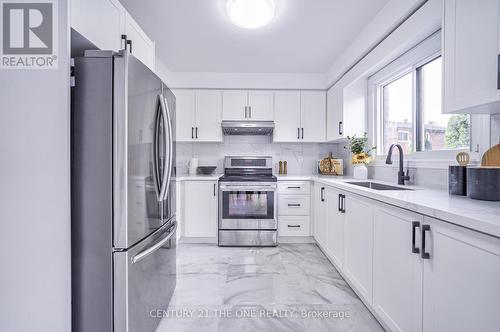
point(305, 37)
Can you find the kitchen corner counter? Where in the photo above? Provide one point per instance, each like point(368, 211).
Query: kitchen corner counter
point(482, 216)
point(198, 177)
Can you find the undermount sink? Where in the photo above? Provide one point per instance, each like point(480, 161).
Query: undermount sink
point(377, 186)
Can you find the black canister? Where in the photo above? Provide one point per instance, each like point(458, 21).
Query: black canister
point(483, 183)
point(457, 180)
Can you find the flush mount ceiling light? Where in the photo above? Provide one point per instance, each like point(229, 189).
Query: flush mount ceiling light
point(251, 14)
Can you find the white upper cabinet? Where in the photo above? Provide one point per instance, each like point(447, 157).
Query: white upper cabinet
point(397, 268)
point(260, 105)
point(299, 116)
point(234, 105)
point(471, 56)
point(140, 45)
point(198, 115)
point(100, 21)
point(346, 111)
point(461, 279)
point(251, 105)
point(312, 116)
point(208, 116)
point(103, 22)
point(286, 116)
point(185, 115)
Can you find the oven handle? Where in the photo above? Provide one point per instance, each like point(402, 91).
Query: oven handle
point(247, 188)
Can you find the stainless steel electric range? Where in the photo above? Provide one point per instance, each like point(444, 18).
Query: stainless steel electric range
point(247, 202)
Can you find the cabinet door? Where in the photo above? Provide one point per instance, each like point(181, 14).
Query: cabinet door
point(461, 279)
point(185, 115)
point(208, 115)
point(313, 116)
point(100, 21)
point(261, 105)
point(470, 54)
point(286, 116)
point(320, 214)
point(334, 227)
point(334, 114)
point(143, 48)
point(234, 105)
point(358, 244)
point(397, 270)
point(200, 209)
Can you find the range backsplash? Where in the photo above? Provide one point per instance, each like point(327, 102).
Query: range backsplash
point(301, 157)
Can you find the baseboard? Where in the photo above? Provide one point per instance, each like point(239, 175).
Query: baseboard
point(296, 239)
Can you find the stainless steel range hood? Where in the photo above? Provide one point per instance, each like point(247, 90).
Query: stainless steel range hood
point(247, 127)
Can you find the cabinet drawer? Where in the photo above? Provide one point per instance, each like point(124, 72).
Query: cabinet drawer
point(293, 205)
point(294, 188)
point(293, 226)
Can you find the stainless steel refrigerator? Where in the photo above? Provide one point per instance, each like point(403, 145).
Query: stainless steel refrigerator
point(123, 194)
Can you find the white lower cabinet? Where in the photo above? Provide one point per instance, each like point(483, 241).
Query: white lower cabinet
point(200, 209)
point(294, 208)
point(397, 268)
point(358, 244)
point(461, 279)
point(415, 272)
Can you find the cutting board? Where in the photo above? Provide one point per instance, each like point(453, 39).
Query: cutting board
point(491, 157)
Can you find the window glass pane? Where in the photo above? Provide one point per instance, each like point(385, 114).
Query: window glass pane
point(440, 131)
point(398, 113)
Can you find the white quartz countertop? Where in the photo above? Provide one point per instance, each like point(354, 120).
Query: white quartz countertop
point(198, 177)
point(482, 216)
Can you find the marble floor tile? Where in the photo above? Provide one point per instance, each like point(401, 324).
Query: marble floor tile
point(292, 287)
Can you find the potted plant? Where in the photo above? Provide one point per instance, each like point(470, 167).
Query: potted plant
point(361, 155)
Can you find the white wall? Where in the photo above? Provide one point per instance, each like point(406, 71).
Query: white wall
point(301, 157)
point(35, 290)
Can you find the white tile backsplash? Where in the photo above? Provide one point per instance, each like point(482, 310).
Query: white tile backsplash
point(301, 157)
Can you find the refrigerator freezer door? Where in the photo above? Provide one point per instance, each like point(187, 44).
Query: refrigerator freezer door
point(138, 126)
point(145, 278)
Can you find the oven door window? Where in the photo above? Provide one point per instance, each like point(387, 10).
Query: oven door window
point(248, 205)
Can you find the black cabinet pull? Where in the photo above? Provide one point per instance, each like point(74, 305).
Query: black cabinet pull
point(129, 43)
point(341, 129)
point(425, 255)
point(293, 187)
point(196, 132)
point(414, 226)
point(192, 132)
point(322, 194)
point(340, 199)
point(342, 209)
point(215, 194)
point(498, 72)
point(302, 133)
point(294, 205)
point(298, 133)
point(124, 39)
point(293, 226)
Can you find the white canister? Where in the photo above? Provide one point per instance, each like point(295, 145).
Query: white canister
point(192, 166)
point(360, 172)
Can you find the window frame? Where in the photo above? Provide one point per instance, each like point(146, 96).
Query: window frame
point(408, 62)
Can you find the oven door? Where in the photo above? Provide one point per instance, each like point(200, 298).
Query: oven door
point(247, 206)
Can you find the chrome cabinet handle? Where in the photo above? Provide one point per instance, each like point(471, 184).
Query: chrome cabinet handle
point(145, 253)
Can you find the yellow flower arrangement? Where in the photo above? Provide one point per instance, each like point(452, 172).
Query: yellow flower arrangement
point(357, 145)
point(361, 158)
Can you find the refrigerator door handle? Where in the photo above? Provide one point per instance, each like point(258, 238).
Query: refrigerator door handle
point(156, 165)
point(146, 252)
point(168, 170)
